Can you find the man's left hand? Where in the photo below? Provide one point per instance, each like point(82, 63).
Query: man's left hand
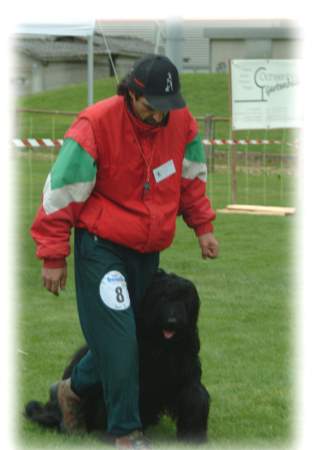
point(209, 245)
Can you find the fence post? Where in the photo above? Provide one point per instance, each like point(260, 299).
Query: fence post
point(233, 171)
point(209, 125)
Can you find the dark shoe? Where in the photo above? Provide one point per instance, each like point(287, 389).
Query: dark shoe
point(69, 404)
point(134, 440)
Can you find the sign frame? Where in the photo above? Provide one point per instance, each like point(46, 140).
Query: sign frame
point(263, 94)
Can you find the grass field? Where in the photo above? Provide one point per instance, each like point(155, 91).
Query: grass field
point(204, 94)
point(246, 322)
point(262, 182)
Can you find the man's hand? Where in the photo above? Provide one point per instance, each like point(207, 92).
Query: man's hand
point(54, 279)
point(209, 245)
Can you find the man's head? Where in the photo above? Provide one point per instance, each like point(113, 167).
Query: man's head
point(144, 111)
point(154, 88)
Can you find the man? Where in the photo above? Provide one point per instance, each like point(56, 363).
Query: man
point(129, 164)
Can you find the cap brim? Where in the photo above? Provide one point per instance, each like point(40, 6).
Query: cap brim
point(167, 102)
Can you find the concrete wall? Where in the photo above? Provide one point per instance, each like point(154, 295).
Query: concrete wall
point(203, 54)
point(195, 48)
point(29, 76)
point(222, 50)
point(286, 49)
point(21, 74)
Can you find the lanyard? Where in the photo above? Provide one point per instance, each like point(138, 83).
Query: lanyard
point(147, 162)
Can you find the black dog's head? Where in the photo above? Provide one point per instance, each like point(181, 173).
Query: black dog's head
point(169, 309)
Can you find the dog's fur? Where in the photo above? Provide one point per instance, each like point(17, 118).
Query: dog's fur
point(170, 370)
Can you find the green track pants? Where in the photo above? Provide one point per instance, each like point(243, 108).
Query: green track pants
point(110, 281)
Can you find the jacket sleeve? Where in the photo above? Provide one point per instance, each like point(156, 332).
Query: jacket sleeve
point(194, 203)
point(68, 185)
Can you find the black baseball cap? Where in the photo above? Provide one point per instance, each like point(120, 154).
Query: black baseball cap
point(156, 78)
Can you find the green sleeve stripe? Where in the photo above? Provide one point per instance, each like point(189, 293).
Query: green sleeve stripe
point(73, 165)
point(195, 151)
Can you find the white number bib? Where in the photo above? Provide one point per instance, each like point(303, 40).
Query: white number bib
point(113, 291)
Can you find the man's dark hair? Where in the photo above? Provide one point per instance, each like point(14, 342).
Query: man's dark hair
point(125, 86)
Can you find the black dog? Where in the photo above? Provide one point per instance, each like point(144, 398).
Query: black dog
point(170, 370)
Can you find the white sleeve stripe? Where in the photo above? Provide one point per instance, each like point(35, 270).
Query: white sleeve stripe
point(56, 199)
point(192, 170)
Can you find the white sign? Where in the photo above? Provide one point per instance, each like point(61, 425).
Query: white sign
point(265, 94)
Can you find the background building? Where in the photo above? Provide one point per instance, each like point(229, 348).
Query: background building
point(48, 62)
point(43, 63)
point(208, 45)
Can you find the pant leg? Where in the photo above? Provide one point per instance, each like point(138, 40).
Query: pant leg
point(140, 270)
point(85, 375)
point(110, 334)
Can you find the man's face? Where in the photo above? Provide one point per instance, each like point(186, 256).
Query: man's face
point(145, 112)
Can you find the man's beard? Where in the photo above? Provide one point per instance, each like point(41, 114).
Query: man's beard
point(151, 121)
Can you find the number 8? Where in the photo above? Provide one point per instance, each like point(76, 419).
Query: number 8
point(120, 297)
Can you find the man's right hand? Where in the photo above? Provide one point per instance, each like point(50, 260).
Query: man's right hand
point(54, 279)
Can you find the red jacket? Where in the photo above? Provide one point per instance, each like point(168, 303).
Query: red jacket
point(109, 199)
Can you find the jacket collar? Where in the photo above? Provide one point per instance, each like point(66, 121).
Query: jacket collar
point(140, 127)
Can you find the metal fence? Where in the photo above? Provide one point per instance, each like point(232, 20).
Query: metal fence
point(251, 167)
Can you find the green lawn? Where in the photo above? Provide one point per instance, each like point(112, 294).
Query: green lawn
point(246, 325)
point(247, 305)
point(270, 184)
point(204, 94)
